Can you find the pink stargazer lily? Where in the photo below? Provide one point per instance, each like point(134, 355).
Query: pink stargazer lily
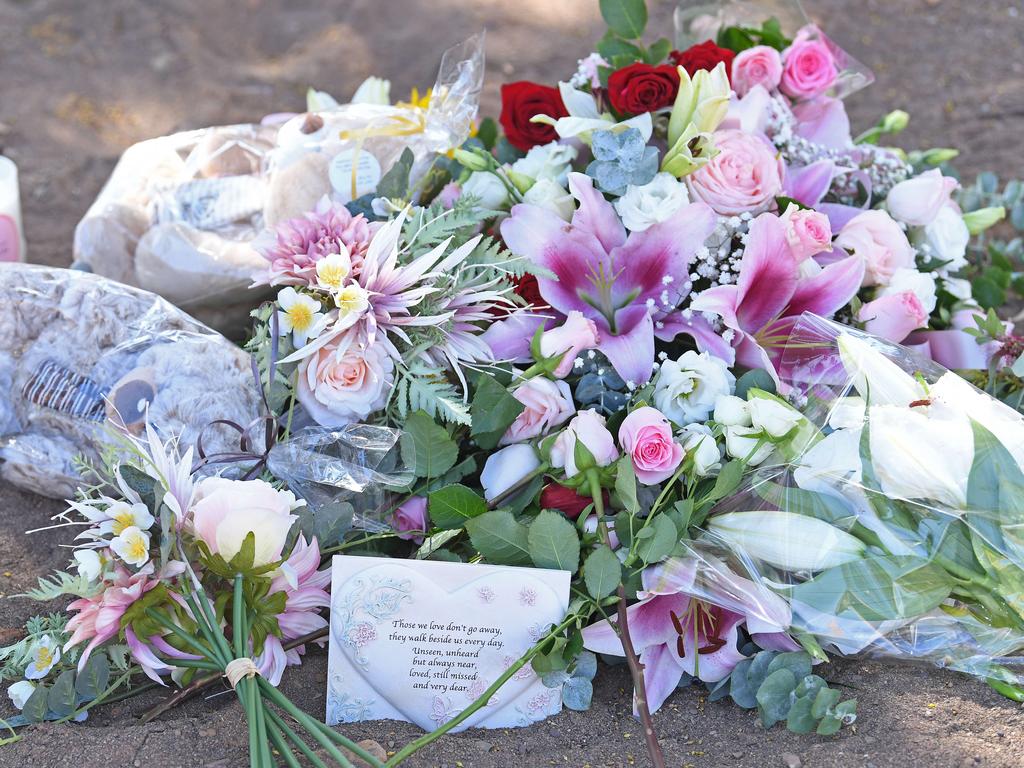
point(687, 620)
point(772, 291)
point(628, 285)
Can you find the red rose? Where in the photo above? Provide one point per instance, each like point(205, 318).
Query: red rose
point(704, 55)
point(641, 88)
point(566, 500)
point(526, 288)
point(523, 100)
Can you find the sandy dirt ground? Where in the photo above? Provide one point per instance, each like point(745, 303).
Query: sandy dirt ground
point(80, 81)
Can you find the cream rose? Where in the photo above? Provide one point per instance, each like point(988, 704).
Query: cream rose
point(338, 390)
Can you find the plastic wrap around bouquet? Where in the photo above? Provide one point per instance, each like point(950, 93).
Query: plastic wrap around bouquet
point(894, 527)
point(84, 358)
point(179, 213)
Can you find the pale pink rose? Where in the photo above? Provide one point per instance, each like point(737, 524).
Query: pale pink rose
point(227, 511)
point(575, 335)
point(745, 175)
point(917, 201)
point(760, 65)
point(646, 435)
point(807, 232)
point(410, 519)
point(338, 390)
point(893, 316)
point(876, 238)
point(589, 428)
point(548, 404)
point(449, 193)
point(808, 69)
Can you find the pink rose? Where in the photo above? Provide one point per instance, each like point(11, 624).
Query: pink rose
point(760, 65)
point(227, 511)
point(646, 435)
point(449, 193)
point(410, 519)
point(548, 404)
point(808, 69)
point(338, 390)
point(745, 175)
point(893, 316)
point(587, 427)
point(807, 232)
point(875, 237)
point(575, 335)
point(917, 201)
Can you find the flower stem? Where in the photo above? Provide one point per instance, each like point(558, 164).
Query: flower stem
point(513, 490)
point(282, 746)
point(277, 721)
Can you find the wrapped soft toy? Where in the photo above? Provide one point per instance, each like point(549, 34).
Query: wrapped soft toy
point(83, 356)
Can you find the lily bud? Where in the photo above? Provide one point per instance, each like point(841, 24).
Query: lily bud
point(474, 159)
point(786, 540)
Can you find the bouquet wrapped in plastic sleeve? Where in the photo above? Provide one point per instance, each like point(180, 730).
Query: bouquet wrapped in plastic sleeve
point(894, 524)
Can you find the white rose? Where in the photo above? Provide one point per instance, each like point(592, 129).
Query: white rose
point(659, 200)
point(488, 189)
point(340, 390)
point(948, 236)
point(921, 284)
point(687, 389)
point(504, 468)
point(549, 194)
point(747, 443)
point(732, 411)
point(550, 161)
point(919, 200)
point(707, 456)
point(19, 693)
point(373, 90)
point(775, 418)
point(958, 287)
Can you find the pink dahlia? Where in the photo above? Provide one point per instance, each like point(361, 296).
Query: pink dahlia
point(295, 246)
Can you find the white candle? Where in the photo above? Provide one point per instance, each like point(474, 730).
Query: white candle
point(12, 236)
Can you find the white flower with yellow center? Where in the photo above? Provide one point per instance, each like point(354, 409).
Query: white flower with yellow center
point(300, 316)
point(132, 546)
point(88, 563)
point(123, 515)
point(352, 301)
point(44, 654)
point(332, 270)
point(19, 693)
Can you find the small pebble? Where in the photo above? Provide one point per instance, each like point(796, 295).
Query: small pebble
point(791, 761)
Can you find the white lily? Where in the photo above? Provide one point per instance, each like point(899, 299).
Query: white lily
point(878, 379)
point(787, 540)
point(585, 118)
point(700, 106)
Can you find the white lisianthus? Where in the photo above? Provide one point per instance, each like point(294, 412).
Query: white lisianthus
point(700, 443)
point(775, 418)
point(88, 564)
point(921, 284)
point(490, 192)
point(300, 315)
point(748, 444)
point(660, 199)
point(20, 692)
point(44, 654)
point(875, 377)
point(549, 161)
point(947, 235)
point(549, 194)
point(504, 468)
point(787, 540)
point(132, 546)
point(373, 90)
point(732, 411)
point(687, 389)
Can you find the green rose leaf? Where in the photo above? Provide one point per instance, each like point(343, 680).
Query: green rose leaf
point(451, 507)
point(657, 540)
point(493, 410)
point(625, 485)
point(500, 538)
point(554, 542)
point(626, 18)
point(427, 449)
point(602, 572)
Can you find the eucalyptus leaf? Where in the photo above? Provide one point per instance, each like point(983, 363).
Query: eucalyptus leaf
point(577, 694)
point(774, 697)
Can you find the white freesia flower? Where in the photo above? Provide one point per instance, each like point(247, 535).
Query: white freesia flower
point(776, 418)
point(352, 301)
point(687, 389)
point(549, 161)
point(701, 444)
point(549, 194)
point(732, 411)
point(373, 90)
point(333, 269)
point(88, 564)
point(132, 546)
point(747, 443)
point(660, 199)
point(45, 652)
point(123, 515)
point(300, 315)
point(947, 235)
point(787, 540)
point(490, 192)
point(504, 468)
point(921, 284)
point(875, 377)
point(20, 692)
